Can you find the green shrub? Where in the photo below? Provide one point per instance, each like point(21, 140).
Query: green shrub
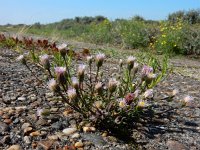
point(169, 40)
point(133, 33)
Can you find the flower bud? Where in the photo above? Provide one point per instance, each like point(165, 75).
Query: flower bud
point(148, 93)
point(99, 59)
point(130, 62)
point(129, 98)
point(75, 82)
point(135, 67)
point(53, 86)
point(81, 72)
point(62, 49)
point(112, 85)
point(61, 74)
point(120, 63)
point(98, 88)
point(72, 94)
point(44, 60)
point(22, 59)
point(89, 59)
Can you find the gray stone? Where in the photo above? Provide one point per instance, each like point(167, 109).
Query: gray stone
point(3, 127)
point(94, 138)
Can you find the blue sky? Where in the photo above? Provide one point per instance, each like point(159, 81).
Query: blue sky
point(46, 11)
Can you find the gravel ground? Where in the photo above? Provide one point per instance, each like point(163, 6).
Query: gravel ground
point(20, 128)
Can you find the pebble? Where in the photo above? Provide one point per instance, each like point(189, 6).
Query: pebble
point(69, 131)
point(25, 125)
point(28, 130)
point(46, 144)
point(79, 144)
point(52, 137)
point(36, 133)
point(89, 129)
point(27, 140)
point(75, 135)
point(15, 147)
point(8, 121)
point(21, 98)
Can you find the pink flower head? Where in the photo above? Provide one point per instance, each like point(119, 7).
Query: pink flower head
point(60, 74)
point(44, 60)
point(146, 70)
point(129, 98)
point(60, 70)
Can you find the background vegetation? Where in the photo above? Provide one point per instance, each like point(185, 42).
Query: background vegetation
point(179, 34)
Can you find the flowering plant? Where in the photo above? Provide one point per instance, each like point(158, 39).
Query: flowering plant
point(113, 102)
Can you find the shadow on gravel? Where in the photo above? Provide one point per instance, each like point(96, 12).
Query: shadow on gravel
point(149, 125)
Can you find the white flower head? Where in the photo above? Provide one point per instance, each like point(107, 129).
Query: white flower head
point(136, 65)
point(53, 86)
point(131, 60)
point(99, 87)
point(142, 104)
point(72, 94)
point(63, 49)
point(99, 59)
point(112, 84)
point(62, 46)
point(81, 69)
point(122, 102)
point(89, 59)
point(22, 59)
point(148, 93)
point(120, 62)
point(75, 82)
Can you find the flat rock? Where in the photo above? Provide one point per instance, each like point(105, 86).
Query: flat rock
point(94, 138)
point(15, 147)
point(3, 127)
point(175, 145)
